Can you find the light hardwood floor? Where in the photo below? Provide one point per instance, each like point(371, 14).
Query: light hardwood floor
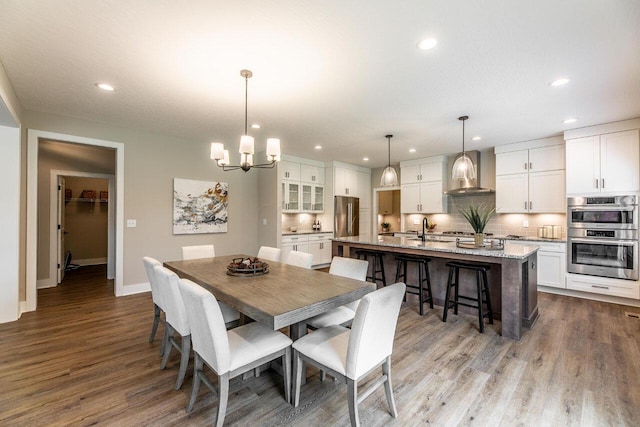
point(83, 358)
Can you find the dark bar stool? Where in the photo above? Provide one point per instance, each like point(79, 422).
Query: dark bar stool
point(376, 261)
point(422, 263)
point(482, 286)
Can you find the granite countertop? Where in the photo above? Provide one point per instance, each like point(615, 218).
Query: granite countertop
point(439, 236)
point(306, 232)
point(509, 251)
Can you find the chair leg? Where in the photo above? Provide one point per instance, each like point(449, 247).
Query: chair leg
point(223, 398)
point(156, 321)
point(480, 309)
point(166, 343)
point(488, 296)
point(352, 399)
point(384, 277)
point(184, 360)
point(426, 272)
point(388, 388)
point(457, 291)
point(197, 371)
point(446, 296)
point(420, 291)
point(286, 373)
point(297, 377)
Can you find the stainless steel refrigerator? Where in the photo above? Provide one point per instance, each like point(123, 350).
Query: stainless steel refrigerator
point(346, 217)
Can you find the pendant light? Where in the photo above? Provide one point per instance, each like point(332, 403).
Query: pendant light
point(463, 167)
point(389, 174)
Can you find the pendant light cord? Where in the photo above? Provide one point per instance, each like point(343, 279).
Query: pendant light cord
point(246, 101)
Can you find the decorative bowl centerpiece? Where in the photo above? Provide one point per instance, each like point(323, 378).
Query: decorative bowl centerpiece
point(246, 267)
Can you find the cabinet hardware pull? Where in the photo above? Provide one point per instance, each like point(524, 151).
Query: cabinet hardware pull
point(525, 165)
point(530, 205)
point(525, 205)
point(596, 182)
point(530, 166)
point(603, 183)
point(599, 287)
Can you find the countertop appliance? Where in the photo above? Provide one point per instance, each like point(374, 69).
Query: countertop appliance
point(346, 219)
point(602, 236)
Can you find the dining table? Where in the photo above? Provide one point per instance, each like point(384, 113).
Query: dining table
point(285, 296)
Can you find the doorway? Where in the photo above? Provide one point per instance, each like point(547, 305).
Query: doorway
point(116, 194)
point(387, 210)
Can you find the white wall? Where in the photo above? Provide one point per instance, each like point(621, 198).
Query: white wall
point(10, 220)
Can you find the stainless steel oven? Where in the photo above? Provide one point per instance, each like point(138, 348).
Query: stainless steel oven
point(602, 236)
point(615, 212)
point(606, 253)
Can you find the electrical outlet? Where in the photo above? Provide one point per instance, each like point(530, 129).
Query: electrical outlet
point(131, 223)
point(264, 221)
point(416, 221)
point(525, 223)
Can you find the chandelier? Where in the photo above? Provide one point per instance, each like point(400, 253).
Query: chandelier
point(246, 150)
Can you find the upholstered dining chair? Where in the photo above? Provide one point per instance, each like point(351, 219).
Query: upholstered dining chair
point(345, 267)
point(228, 353)
point(352, 354)
point(230, 314)
point(300, 259)
point(158, 303)
point(197, 252)
point(175, 321)
point(269, 253)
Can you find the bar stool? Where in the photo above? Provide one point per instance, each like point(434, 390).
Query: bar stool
point(377, 265)
point(482, 286)
point(422, 264)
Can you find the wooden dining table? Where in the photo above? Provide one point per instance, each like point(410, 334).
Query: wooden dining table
point(285, 296)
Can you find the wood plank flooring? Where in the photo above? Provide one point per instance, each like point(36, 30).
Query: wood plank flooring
point(83, 358)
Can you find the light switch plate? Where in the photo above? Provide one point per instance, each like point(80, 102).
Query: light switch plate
point(131, 223)
point(416, 221)
point(525, 223)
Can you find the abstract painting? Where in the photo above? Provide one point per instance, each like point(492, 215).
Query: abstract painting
point(199, 206)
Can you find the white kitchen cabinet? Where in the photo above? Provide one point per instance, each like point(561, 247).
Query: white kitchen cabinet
point(422, 188)
point(604, 286)
point(364, 223)
point(320, 248)
point(312, 198)
point(291, 192)
point(537, 192)
point(290, 170)
point(345, 182)
point(530, 180)
point(604, 163)
point(552, 262)
point(312, 174)
point(294, 243)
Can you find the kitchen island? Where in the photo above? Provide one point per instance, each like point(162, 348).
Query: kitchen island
point(512, 279)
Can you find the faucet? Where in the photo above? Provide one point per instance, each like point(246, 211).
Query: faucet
point(425, 227)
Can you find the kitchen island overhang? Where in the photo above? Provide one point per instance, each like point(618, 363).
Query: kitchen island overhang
point(516, 272)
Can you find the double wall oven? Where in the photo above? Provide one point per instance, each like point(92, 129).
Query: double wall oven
point(602, 236)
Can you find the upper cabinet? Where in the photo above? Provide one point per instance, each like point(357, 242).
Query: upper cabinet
point(423, 185)
point(604, 163)
point(345, 182)
point(302, 186)
point(530, 177)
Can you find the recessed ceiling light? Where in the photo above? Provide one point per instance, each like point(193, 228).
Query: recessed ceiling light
point(559, 82)
point(318, 147)
point(366, 159)
point(105, 86)
point(412, 150)
point(255, 126)
point(571, 120)
point(427, 44)
point(476, 138)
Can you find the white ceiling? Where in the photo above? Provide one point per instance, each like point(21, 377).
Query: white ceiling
point(337, 73)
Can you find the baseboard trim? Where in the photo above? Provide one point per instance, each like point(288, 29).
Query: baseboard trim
point(137, 288)
point(589, 296)
point(89, 261)
point(45, 283)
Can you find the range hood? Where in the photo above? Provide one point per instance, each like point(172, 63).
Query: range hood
point(466, 187)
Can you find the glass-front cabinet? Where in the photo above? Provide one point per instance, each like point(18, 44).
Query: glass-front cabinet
point(290, 196)
point(312, 198)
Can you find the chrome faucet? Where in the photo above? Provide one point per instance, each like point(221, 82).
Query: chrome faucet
point(425, 227)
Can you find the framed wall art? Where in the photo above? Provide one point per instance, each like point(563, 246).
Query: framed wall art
point(199, 206)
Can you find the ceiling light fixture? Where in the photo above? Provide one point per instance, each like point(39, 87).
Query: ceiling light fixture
point(105, 86)
point(255, 126)
point(559, 82)
point(389, 175)
point(476, 138)
point(365, 159)
point(427, 44)
point(318, 147)
point(570, 120)
point(412, 150)
point(221, 156)
point(463, 166)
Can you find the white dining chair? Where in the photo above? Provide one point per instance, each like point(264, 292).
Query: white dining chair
point(351, 354)
point(300, 259)
point(198, 251)
point(158, 303)
point(228, 353)
point(269, 253)
point(230, 314)
point(343, 315)
point(175, 321)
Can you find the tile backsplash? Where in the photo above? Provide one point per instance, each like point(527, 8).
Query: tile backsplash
point(302, 221)
point(500, 224)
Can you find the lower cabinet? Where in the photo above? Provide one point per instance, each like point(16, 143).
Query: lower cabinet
point(605, 286)
point(552, 262)
point(319, 245)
